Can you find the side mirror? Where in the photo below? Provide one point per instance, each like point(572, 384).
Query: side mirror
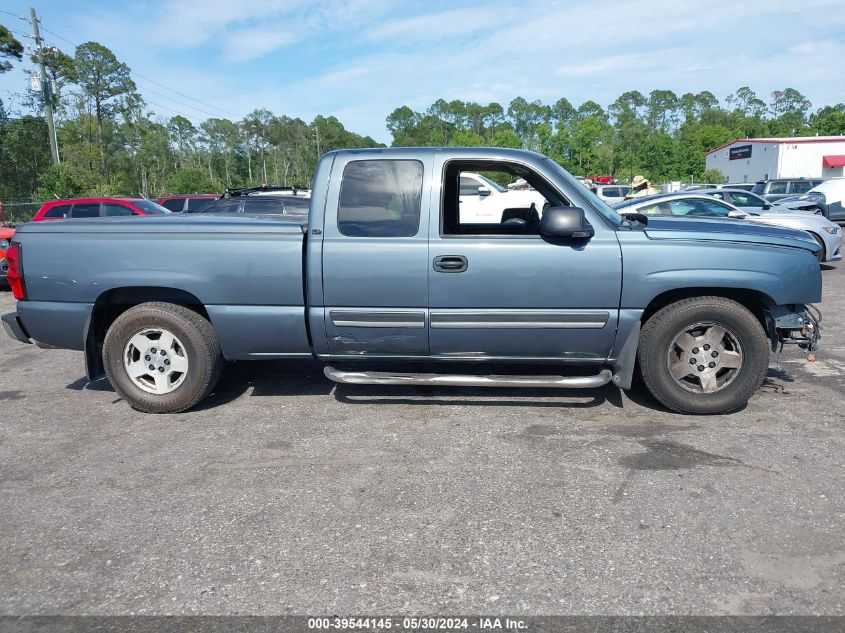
point(766, 207)
point(737, 214)
point(565, 222)
point(484, 191)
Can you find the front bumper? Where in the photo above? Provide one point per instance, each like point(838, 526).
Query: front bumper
point(794, 325)
point(14, 328)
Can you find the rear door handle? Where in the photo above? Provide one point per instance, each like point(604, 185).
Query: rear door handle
point(450, 263)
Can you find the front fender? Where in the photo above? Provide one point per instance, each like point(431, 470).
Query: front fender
point(779, 274)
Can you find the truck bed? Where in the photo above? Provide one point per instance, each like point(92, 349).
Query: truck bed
point(245, 271)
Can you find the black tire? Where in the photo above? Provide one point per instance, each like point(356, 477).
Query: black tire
point(656, 341)
point(201, 348)
point(821, 254)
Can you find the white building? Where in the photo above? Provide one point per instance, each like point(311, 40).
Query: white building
point(753, 159)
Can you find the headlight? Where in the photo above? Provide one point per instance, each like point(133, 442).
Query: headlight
point(833, 230)
point(4, 243)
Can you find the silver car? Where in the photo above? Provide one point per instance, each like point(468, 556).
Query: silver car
point(703, 205)
point(611, 193)
point(739, 198)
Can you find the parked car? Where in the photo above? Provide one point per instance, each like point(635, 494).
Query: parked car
point(747, 186)
point(826, 233)
point(6, 235)
point(827, 199)
point(96, 208)
point(266, 205)
point(484, 201)
point(390, 272)
point(188, 202)
point(611, 194)
point(739, 198)
point(778, 188)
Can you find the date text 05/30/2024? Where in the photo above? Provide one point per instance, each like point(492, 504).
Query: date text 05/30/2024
point(417, 623)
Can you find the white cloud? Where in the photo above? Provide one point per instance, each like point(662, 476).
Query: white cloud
point(246, 44)
point(360, 59)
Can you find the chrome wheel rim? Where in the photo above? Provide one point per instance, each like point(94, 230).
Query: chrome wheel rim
point(155, 361)
point(704, 358)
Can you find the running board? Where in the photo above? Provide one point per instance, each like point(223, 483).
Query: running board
point(458, 380)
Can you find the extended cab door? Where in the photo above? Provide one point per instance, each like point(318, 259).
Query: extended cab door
point(375, 254)
point(502, 291)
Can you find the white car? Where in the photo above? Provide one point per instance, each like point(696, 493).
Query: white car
point(827, 198)
point(484, 201)
point(698, 205)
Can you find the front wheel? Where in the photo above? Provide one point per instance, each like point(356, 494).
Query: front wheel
point(162, 357)
point(705, 355)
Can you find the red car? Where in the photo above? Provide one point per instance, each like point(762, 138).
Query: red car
point(97, 208)
point(5, 237)
point(191, 202)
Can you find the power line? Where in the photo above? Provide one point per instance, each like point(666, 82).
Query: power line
point(152, 81)
point(183, 94)
point(187, 105)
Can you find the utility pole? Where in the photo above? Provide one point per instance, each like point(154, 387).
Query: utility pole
point(45, 88)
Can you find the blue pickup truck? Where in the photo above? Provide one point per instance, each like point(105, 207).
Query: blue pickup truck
point(386, 284)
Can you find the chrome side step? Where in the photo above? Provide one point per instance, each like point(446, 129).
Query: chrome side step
point(458, 380)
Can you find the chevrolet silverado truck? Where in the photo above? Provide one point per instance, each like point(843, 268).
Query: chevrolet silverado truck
point(384, 284)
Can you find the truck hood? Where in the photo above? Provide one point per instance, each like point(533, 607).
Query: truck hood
point(723, 230)
point(172, 223)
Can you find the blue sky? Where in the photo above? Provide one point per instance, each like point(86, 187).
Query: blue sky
point(359, 59)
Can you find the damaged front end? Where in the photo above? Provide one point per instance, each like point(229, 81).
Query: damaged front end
point(796, 324)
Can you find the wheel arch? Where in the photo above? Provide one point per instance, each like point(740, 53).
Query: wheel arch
point(754, 300)
point(111, 303)
point(820, 240)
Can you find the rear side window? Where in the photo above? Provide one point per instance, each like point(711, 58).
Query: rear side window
point(196, 204)
point(229, 205)
point(118, 210)
point(85, 211)
point(801, 186)
point(173, 205)
point(746, 200)
point(611, 192)
point(297, 205)
point(380, 198)
point(59, 211)
point(262, 206)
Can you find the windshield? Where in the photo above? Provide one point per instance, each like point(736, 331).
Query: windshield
point(150, 208)
point(493, 185)
point(597, 203)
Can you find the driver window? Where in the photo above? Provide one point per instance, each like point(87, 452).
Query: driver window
point(494, 198)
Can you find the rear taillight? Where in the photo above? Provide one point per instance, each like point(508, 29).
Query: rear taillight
point(15, 275)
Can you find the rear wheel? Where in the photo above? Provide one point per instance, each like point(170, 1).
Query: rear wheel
point(705, 355)
point(162, 357)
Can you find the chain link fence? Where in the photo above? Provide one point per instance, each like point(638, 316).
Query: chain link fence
point(17, 212)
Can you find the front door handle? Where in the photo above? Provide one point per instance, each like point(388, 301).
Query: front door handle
point(450, 263)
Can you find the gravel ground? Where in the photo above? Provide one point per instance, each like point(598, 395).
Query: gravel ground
point(286, 494)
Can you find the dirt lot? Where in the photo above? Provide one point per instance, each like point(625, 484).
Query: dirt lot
point(287, 494)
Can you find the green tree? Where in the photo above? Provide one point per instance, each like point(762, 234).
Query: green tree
point(105, 83)
point(188, 180)
point(712, 176)
point(10, 47)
